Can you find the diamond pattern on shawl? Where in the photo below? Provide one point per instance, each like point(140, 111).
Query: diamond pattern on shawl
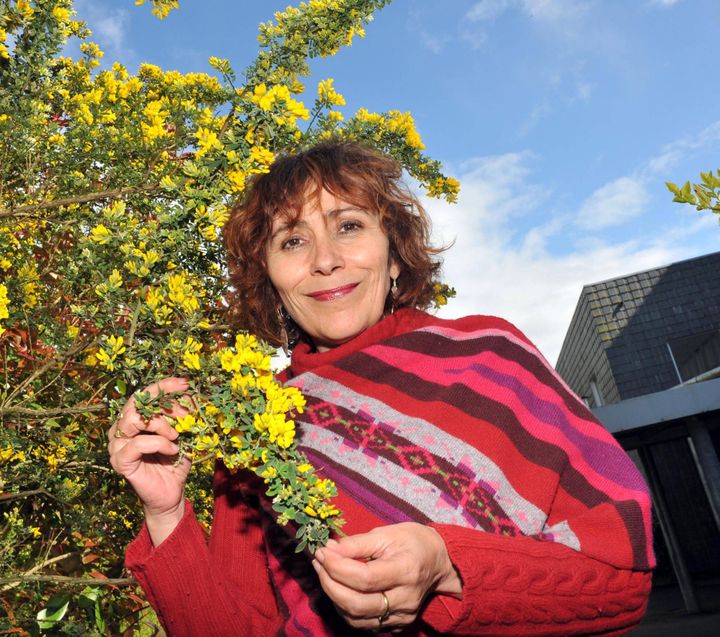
point(359, 430)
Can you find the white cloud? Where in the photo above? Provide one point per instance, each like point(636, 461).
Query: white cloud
point(109, 27)
point(664, 3)
point(488, 9)
point(498, 269)
point(544, 10)
point(673, 153)
point(614, 203)
point(434, 42)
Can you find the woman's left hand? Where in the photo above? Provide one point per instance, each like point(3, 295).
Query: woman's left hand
point(404, 562)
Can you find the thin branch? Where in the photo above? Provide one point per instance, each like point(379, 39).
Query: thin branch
point(50, 413)
point(133, 323)
point(98, 467)
point(38, 567)
point(25, 494)
point(50, 364)
point(73, 581)
point(29, 210)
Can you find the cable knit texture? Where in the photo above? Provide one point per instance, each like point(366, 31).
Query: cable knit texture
point(458, 424)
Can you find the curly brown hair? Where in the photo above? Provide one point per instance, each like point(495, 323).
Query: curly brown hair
point(352, 172)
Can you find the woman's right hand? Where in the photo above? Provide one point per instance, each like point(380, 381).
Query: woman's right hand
point(145, 454)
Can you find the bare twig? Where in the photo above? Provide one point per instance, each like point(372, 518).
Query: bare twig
point(29, 210)
point(49, 365)
point(38, 567)
point(25, 494)
point(50, 413)
point(73, 581)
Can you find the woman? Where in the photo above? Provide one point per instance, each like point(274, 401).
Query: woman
point(481, 496)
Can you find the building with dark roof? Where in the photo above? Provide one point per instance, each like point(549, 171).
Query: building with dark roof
point(644, 332)
point(643, 350)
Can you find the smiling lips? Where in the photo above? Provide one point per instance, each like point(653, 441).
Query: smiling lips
point(334, 294)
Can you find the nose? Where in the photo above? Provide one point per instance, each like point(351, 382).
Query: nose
point(326, 256)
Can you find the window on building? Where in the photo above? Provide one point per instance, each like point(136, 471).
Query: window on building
point(695, 354)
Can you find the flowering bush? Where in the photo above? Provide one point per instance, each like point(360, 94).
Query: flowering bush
point(114, 188)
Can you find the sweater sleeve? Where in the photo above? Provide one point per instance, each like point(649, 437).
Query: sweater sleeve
point(220, 587)
point(522, 586)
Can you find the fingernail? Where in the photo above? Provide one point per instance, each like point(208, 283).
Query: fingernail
point(320, 556)
point(316, 565)
point(332, 542)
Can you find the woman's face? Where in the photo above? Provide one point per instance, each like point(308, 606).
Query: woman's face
point(332, 269)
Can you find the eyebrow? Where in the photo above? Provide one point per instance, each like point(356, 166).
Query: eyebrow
point(334, 212)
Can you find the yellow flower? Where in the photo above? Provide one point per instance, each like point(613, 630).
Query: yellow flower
point(208, 442)
point(207, 141)
point(328, 510)
point(269, 473)
point(106, 357)
point(241, 382)
point(61, 14)
point(261, 155)
point(236, 178)
point(185, 423)
point(191, 360)
point(100, 234)
point(328, 94)
point(282, 431)
point(182, 294)
point(4, 304)
point(23, 7)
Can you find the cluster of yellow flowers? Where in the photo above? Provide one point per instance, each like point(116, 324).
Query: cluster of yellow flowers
point(3, 48)
point(290, 109)
point(328, 95)
point(161, 8)
point(180, 294)
point(4, 303)
point(114, 347)
point(448, 186)
point(244, 418)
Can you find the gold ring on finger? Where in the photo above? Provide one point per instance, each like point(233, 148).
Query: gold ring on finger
point(119, 433)
point(386, 610)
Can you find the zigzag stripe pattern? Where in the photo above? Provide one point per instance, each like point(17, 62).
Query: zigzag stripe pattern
point(474, 498)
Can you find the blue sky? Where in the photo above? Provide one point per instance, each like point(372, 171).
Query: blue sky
point(561, 118)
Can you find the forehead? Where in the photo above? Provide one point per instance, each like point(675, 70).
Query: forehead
point(314, 200)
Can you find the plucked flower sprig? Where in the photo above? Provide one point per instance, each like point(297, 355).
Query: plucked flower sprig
point(243, 417)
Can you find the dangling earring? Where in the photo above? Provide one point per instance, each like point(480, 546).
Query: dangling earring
point(284, 343)
point(393, 294)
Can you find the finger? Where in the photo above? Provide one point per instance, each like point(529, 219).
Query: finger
point(126, 458)
point(362, 546)
point(352, 569)
point(131, 423)
point(166, 385)
point(361, 610)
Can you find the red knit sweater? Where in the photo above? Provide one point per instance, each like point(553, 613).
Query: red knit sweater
point(513, 584)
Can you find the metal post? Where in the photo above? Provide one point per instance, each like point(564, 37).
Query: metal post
point(687, 589)
point(708, 465)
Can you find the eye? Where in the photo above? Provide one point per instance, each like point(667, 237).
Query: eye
point(349, 226)
point(291, 243)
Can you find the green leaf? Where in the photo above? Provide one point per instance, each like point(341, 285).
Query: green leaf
point(673, 188)
point(121, 386)
point(54, 611)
